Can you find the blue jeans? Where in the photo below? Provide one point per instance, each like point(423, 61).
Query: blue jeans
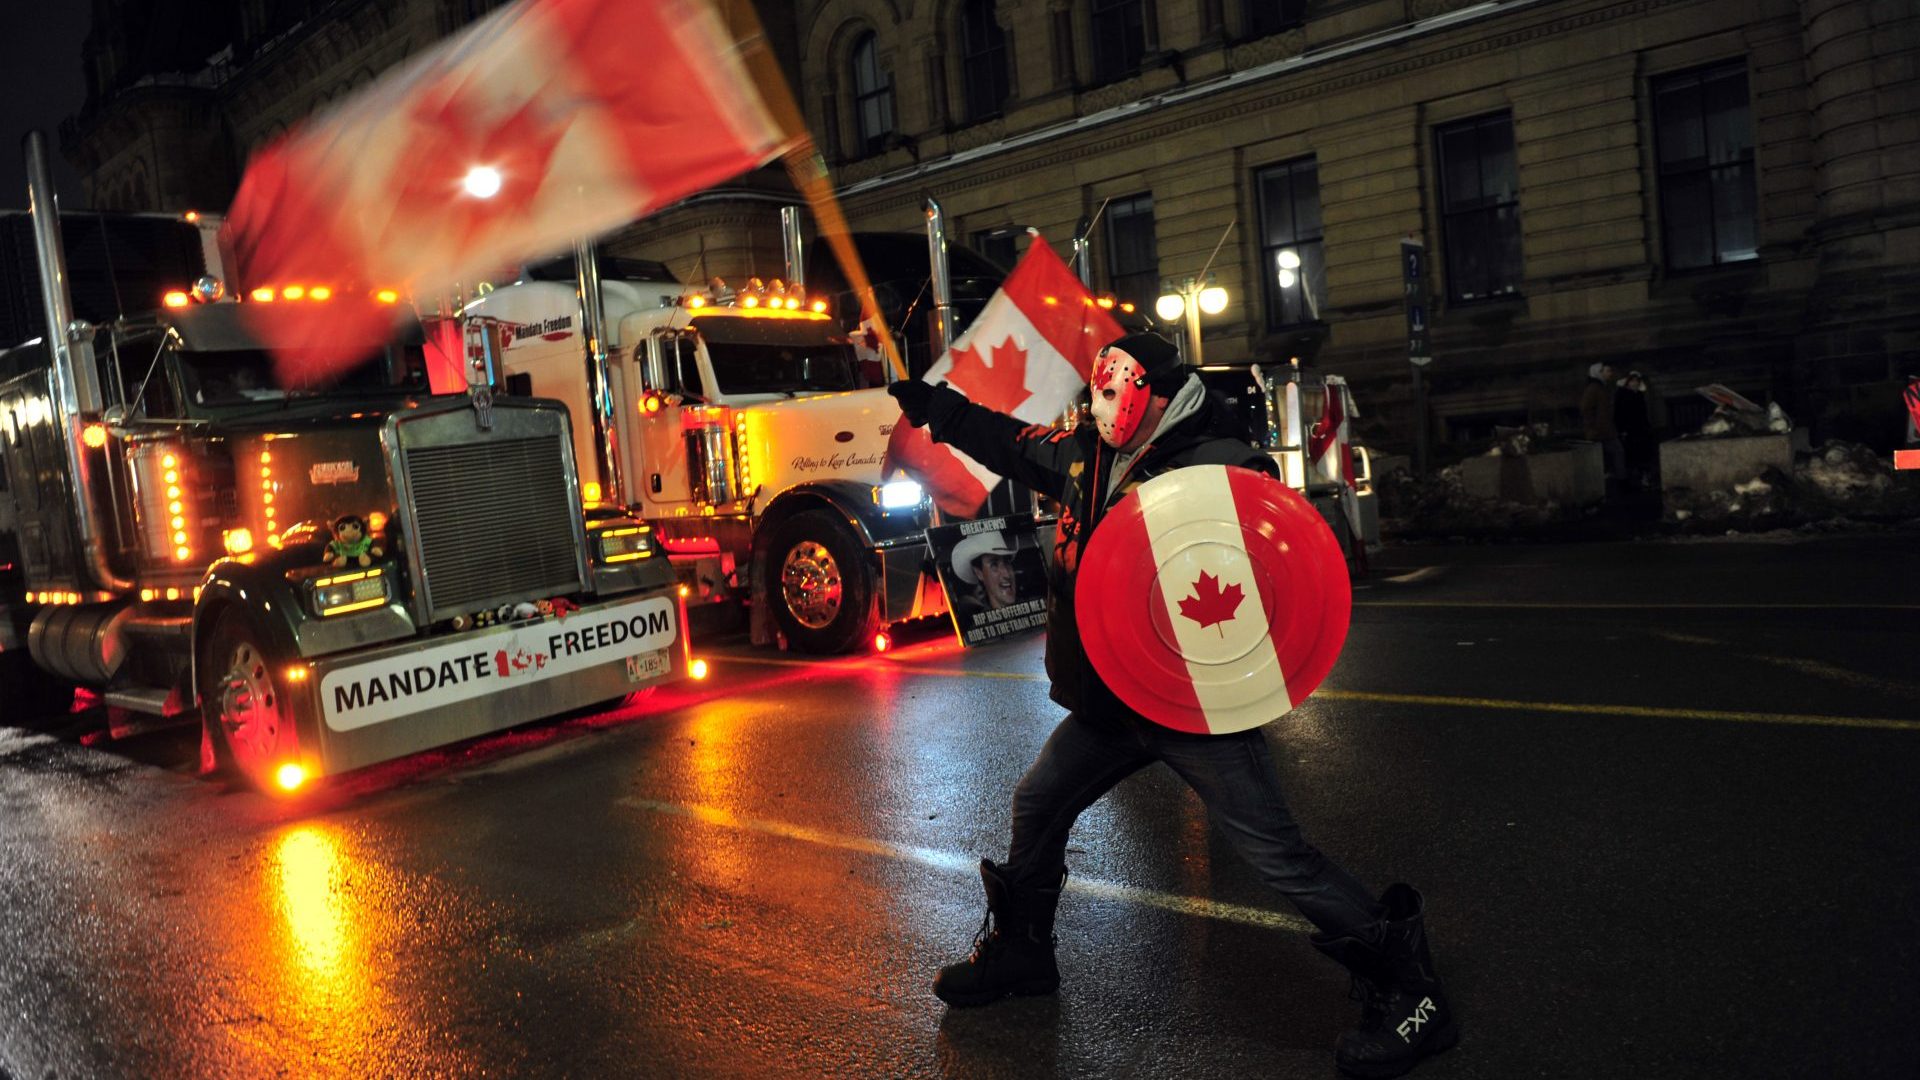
point(1234, 776)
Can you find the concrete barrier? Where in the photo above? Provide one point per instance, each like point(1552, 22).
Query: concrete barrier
point(1718, 464)
point(1575, 476)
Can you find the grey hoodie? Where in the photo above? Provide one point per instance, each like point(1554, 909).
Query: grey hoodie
point(1185, 403)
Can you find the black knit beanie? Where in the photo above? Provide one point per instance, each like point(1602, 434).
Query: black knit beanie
point(1166, 374)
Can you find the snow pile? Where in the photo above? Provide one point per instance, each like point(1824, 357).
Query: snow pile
point(1440, 505)
point(1838, 485)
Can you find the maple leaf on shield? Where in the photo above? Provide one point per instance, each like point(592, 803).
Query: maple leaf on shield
point(1211, 604)
point(1001, 385)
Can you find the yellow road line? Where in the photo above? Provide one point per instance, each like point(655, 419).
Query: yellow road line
point(1198, 907)
point(1646, 711)
point(1441, 701)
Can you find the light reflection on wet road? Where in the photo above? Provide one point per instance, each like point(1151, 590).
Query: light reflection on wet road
point(757, 876)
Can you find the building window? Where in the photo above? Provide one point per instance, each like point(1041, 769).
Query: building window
point(872, 96)
point(1265, 17)
point(1479, 207)
point(1133, 263)
point(1704, 141)
point(1119, 38)
point(983, 60)
point(1290, 243)
point(999, 245)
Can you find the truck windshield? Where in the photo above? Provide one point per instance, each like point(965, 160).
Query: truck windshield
point(241, 377)
point(765, 368)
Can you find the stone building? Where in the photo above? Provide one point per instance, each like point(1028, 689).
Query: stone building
point(1703, 191)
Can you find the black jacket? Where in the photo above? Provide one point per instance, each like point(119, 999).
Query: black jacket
point(1072, 467)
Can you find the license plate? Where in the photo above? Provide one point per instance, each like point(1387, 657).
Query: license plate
point(648, 665)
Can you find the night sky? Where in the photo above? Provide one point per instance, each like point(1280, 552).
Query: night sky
point(40, 85)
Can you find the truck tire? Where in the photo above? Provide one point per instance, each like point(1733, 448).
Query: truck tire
point(247, 720)
point(820, 583)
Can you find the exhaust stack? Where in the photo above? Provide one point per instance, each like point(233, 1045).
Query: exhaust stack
point(941, 337)
point(593, 326)
point(790, 246)
point(74, 379)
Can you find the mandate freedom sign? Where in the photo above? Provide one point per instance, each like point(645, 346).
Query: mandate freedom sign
point(380, 690)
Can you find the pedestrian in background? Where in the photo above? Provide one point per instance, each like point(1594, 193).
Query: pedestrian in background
point(1596, 418)
point(1634, 421)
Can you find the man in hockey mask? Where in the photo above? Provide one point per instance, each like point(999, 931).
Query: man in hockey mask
point(1151, 414)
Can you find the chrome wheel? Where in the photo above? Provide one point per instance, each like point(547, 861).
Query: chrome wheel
point(810, 584)
point(250, 712)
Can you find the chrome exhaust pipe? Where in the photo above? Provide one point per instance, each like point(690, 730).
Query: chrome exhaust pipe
point(790, 246)
point(75, 377)
point(942, 334)
point(593, 331)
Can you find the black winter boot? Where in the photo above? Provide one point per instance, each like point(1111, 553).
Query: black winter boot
point(1404, 1015)
point(1013, 950)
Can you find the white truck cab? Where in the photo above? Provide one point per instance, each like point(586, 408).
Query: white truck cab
point(744, 434)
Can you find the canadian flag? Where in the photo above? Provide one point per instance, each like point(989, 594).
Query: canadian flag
point(1029, 352)
point(545, 123)
point(1330, 446)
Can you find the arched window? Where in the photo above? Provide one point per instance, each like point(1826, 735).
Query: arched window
point(983, 60)
point(872, 96)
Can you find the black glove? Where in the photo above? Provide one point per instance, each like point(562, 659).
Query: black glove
point(914, 396)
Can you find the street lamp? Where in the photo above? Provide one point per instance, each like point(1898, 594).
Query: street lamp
point(1192, 297)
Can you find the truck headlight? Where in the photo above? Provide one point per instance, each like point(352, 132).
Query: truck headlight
point(898, 495)
point(624, 544)
point(339, 594)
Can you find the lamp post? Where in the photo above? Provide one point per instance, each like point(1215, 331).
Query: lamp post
point(1192, 297)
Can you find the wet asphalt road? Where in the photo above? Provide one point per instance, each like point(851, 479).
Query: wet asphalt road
point(1661, 798)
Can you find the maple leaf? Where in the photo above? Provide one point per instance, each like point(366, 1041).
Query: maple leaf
point(1211, 604)
point(452, 132)
point(1000, 385)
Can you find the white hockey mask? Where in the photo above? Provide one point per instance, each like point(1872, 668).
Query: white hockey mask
point(1121, 395)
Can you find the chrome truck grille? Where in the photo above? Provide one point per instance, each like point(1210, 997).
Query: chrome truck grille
point(494, 514)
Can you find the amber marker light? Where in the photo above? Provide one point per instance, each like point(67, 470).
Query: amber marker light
point(175, 298)
point(697, 669)
point(387, 296)
point(263, 294)
point(882, 642)
point(320, 292)
point(294, 292)
point(590, 492)
point(94, 435)
point(685, 592)
point(290, 776)
point(237, 541)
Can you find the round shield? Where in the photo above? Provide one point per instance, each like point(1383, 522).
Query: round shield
point(1213, 599)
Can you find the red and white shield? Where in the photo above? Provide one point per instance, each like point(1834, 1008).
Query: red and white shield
point(1213, 599)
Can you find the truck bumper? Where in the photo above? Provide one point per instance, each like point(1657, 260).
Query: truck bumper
point(377, 704)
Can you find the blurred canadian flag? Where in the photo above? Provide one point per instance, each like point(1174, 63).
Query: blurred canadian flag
point(1027, 355)
point(547, 122)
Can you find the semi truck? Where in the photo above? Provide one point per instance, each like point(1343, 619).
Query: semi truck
point(170, 494)
point(746, 439)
